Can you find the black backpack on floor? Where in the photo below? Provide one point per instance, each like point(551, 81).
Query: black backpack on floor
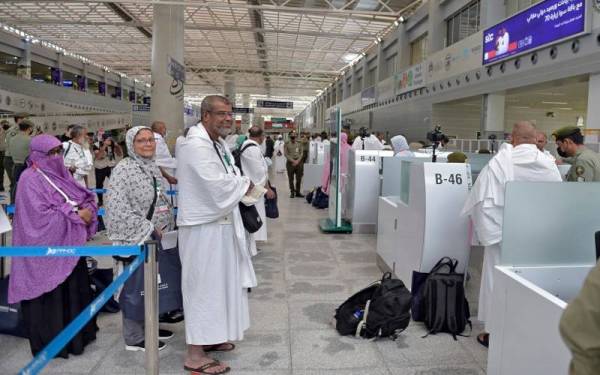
point(446, 307)
point(380, 310)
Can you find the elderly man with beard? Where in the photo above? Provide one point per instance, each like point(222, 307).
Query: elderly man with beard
point(216, 265)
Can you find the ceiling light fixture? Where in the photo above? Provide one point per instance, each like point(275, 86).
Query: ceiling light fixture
point(401, 19)
point(557, 103)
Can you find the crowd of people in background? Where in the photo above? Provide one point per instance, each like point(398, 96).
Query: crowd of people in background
point(216, 170)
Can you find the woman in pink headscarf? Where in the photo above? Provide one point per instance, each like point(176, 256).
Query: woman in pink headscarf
point(51, 209)
point(345, 150)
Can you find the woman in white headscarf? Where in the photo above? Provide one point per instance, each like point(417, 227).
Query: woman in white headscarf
point(400, 146)
point(131, 217)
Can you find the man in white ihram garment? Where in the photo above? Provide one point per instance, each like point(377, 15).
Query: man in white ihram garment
point(519, 161)
point(216, 264)
point(255, 167)
point(366, 141)
point(279, 155)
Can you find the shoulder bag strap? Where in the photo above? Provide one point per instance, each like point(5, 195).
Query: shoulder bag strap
point(221, 158)
point(67, 199)
point(154, 199)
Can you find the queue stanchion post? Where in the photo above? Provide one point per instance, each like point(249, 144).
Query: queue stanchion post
point(151, 307)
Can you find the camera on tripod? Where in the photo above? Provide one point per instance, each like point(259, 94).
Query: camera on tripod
point(436, 136)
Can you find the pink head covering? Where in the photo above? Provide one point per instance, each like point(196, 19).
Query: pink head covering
point(344, 151)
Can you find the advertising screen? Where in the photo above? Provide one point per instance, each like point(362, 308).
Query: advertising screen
point(541, 24)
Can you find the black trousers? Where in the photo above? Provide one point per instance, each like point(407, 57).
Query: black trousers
point(47, 315)
point(101, 175)
point(298, 172)
point(16, 172)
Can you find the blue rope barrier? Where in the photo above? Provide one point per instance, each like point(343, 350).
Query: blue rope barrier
point(69, 251)
point(171, 192)
point(55, 346)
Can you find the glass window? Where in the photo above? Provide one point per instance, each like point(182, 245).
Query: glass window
point(418, 50)
point(463, 23)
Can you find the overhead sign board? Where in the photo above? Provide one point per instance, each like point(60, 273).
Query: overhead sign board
point(368, 96)
point(176, 69)
point(537, 26)
point(243, 110)
point(274, 104)
point(140, 107)
point(278, 120)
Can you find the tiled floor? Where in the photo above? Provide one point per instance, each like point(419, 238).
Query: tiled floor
point(303, 275)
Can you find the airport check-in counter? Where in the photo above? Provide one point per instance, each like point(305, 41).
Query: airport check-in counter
point(363, 189)
point(421, 222)
point(547, 251)
point(313, 169)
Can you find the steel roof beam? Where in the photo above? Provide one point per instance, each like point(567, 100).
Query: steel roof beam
point(384, 15)
point(36, 21)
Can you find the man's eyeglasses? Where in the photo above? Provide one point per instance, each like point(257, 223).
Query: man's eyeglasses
point(56, 151)
point(142, 141)
point(222, 113)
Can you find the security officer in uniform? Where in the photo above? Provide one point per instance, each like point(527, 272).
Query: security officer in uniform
point(8, 160)
point(585, 163)
point(294, 153)
point(580, 327)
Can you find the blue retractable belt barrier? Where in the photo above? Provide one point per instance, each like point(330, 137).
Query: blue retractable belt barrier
point(10, 209)
point(101, 211)
point(103, 191)
point(59, 342)
point(68, 251)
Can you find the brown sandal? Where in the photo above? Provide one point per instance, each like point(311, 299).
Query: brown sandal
point(202, 369)
point(229, 346)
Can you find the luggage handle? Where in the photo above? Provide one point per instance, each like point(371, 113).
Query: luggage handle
point(445, 261)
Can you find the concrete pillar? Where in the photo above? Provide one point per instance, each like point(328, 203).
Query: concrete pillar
point(365, 72)
point(344, 86)
point(436, 32)
point(104, 83)
point(354, 89)
point(229, 87)
point(122, 87)
point(592, 119)
point(491, 12)
point(85, 80)
point(59, 66)
point(246, 117)
point(492, 115)
point(380, 63)
point(24, 67)
point(167, 91)
point(403, 45)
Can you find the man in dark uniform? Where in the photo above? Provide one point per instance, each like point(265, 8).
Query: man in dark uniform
point(294, 153)
point(585, 163)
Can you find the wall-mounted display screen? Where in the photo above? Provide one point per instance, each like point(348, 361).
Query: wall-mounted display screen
point(537, 26)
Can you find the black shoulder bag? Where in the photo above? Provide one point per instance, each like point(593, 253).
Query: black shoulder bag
point(250, 217)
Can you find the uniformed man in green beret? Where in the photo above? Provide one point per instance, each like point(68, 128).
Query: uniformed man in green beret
point(585, 163)
point(9, 135)
point(457, 157)
point(294, 153)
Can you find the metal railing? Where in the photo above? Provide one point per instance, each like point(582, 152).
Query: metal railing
point(145, 253)
point(474, 145)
